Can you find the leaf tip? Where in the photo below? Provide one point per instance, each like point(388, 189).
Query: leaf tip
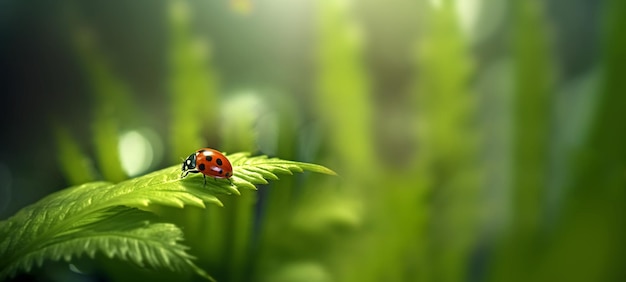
point(234, 190)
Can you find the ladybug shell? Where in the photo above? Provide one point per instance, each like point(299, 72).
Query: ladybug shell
point(213, 163)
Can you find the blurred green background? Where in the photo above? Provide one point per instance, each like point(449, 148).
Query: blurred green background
point(476, 140)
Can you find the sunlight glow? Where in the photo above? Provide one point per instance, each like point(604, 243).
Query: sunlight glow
point(468, 12)
point(138, 150)
point(436, 3)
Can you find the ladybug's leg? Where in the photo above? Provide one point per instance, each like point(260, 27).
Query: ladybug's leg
point(184, 173)
point(231, 181)
point(204, 179)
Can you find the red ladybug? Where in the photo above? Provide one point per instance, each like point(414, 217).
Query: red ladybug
point(208, 162)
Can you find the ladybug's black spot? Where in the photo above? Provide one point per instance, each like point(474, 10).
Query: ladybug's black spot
point(219, 161)
point(200, 151)
point(227, 174)
point(209, 158)
point(201, 167)
point(220, 172)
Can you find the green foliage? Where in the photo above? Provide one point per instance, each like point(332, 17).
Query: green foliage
point(73, 162)
point(113, 104)
point(533, 72)
point(454, 166)
point(192, 83)
point(344, 106)
point(592, 218)
point(342, 87)
point(446, 114)
point(531, 112)
point(114, 218)
point(119, 232)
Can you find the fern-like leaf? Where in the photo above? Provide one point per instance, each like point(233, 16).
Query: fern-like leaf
point(124, 233)
point(103, 217)
point(248, 171)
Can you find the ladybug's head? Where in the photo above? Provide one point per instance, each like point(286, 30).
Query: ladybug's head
point(189, 164)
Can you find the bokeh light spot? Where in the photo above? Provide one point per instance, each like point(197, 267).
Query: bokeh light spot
point(139, 150)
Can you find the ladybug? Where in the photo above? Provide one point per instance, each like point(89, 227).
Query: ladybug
point(208, 162)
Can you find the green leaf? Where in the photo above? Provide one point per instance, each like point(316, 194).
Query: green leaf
point(255, 170)
point(105, 217)
point(90, 218)
point(120, 232)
